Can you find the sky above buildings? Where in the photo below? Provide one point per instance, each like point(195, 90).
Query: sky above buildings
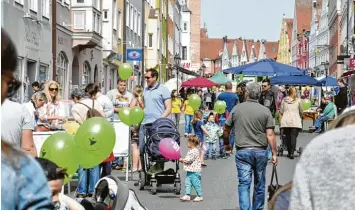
point(250, 19)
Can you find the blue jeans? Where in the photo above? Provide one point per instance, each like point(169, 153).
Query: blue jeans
point(105, 169)
point(231, 138)
point(211, 149)
point(319, 122)
point(94, 176)
point(193, 179)
point(221, 146)
point(269, 152)
point(188, 125)
point(249, 162)
point(118, 161)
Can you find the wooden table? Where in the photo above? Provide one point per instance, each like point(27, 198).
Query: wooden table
point(310, 115)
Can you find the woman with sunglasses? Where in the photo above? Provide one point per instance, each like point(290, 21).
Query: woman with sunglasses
point(23, 183)
point(38, 100)
point(52, 113)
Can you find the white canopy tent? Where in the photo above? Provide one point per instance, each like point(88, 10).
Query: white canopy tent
point(171, 84)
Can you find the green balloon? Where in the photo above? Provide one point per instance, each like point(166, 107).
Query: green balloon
point(220, 106)
point(125, 71)
point(195, 101)
point(60, 149)
point(94, 140)
point(136, 115)
point(306, 104)
point(124, 116)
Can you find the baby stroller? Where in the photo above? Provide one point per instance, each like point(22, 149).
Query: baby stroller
point(112, 194)
point(283, 147)
point(152, 158)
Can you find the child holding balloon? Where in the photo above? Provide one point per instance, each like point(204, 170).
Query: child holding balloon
point(192, 166)
point(200, 130)
point(214, 132)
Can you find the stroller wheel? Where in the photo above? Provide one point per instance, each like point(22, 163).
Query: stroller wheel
point(141, 182)
point(153, 190)
point(177, 187)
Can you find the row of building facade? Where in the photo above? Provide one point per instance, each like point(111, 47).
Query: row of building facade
point(218, 54)
point(320, 37)
point(90, 38)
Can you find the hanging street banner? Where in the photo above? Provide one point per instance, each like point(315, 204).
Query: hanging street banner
point(134, 54)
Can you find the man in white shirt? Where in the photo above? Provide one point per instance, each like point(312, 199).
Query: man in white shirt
point(120, 97)
point(20, 131)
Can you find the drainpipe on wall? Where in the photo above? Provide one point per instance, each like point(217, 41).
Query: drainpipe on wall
point(160, 42)
point(124, 36)
point(143, 44)
point(54, 38)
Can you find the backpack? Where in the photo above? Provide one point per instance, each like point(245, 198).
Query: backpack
point(91, 112)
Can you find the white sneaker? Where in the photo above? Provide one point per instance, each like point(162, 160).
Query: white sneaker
point(185, 198)
point(198, 199)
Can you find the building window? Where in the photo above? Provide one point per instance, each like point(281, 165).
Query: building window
point(79, 20)
point(93, 21)
point(33, 5)
point(45, 8)
point(185, 27)
point(135, 24)
point(305, 46)
point(17, 96)
point(105, 15)
point(86, 74)
point(184, 53)
point(114, 14)
point(80, 1)
point(139, 24)
point(119, 23)
point(43, 73)
point(62, 71)
point(150, 40)
point(98, 24)
point(131, 18)
point(127, 14)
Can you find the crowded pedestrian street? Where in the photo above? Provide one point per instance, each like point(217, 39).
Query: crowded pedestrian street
point(219, 183)
point(177, 104)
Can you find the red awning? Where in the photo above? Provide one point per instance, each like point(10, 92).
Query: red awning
point(346, 74)
point(198, 82)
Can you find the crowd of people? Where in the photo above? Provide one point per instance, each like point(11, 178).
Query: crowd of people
point(249, 115)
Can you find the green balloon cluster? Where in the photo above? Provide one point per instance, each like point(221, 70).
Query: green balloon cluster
point(125, 71)
point(220, 106)
point(60, 149)
point(94, 140)
point(131, 116)
point(306, 104)
point(92, 144)
point(195, 101)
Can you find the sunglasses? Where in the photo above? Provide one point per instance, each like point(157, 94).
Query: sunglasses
point(53, 89)
point(264, 85)
point(13, 86)
point(148, 77)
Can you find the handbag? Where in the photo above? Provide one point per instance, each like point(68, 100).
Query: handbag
point(273, 188)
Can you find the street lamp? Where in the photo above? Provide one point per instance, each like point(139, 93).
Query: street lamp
point(325, 65)
point(177, 60)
